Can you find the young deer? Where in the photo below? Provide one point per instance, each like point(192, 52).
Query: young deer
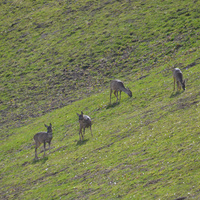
point(43, 137)
point(178, 78)
point(118, 85)
point(85, 122)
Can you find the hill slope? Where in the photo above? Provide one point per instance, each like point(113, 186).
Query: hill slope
point(55, 53)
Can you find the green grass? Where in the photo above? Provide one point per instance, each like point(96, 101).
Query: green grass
point(54, 53)
point(145, 147)
point(57, 59)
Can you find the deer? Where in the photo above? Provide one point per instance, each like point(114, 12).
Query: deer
point(43, 137)
point(118, 86)
point(85, 122)
point(178, 78)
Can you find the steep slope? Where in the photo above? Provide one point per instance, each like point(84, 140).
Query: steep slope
point(145, 147)
point(53, 53)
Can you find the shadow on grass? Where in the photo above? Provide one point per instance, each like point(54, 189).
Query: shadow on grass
point(112, 105)
point(40, 160)
point(81, 142)
point(176, 94)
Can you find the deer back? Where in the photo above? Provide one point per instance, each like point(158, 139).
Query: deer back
point(117, 85)
point(178, 75)
point(84, 120)
point(42, 137)
point(87, 121)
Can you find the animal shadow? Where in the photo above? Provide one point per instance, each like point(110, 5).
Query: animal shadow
point(177, 93)
point(79, 143)
point(112, 105)
point(41, 160)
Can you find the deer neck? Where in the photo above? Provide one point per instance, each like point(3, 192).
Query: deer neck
point(124, 90)
point(50, 135)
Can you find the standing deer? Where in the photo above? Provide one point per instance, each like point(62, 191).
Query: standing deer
point(118, 85)
point(43, 137)
point(85, 122)
point(178, 78)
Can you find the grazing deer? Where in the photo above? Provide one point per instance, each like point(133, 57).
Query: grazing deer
point(178, 78)
point(43, 137)
point(118, 85)
point(85, 122)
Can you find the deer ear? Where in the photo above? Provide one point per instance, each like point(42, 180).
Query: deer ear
point(81, 112)
point(45, 125)
point(77, 114)
point(50, 125)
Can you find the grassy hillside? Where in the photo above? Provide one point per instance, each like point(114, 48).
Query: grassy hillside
point(57, 59)
point(53, 53)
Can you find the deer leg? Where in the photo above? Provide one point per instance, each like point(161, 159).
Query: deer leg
point(36, 157)
point(80, 134)
point(36, 146)
point(44, 148)
point(49, 147)
point(110, 95)
point(83, 133)
point(117, 95)
point(174, 83)
point(178, 86)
